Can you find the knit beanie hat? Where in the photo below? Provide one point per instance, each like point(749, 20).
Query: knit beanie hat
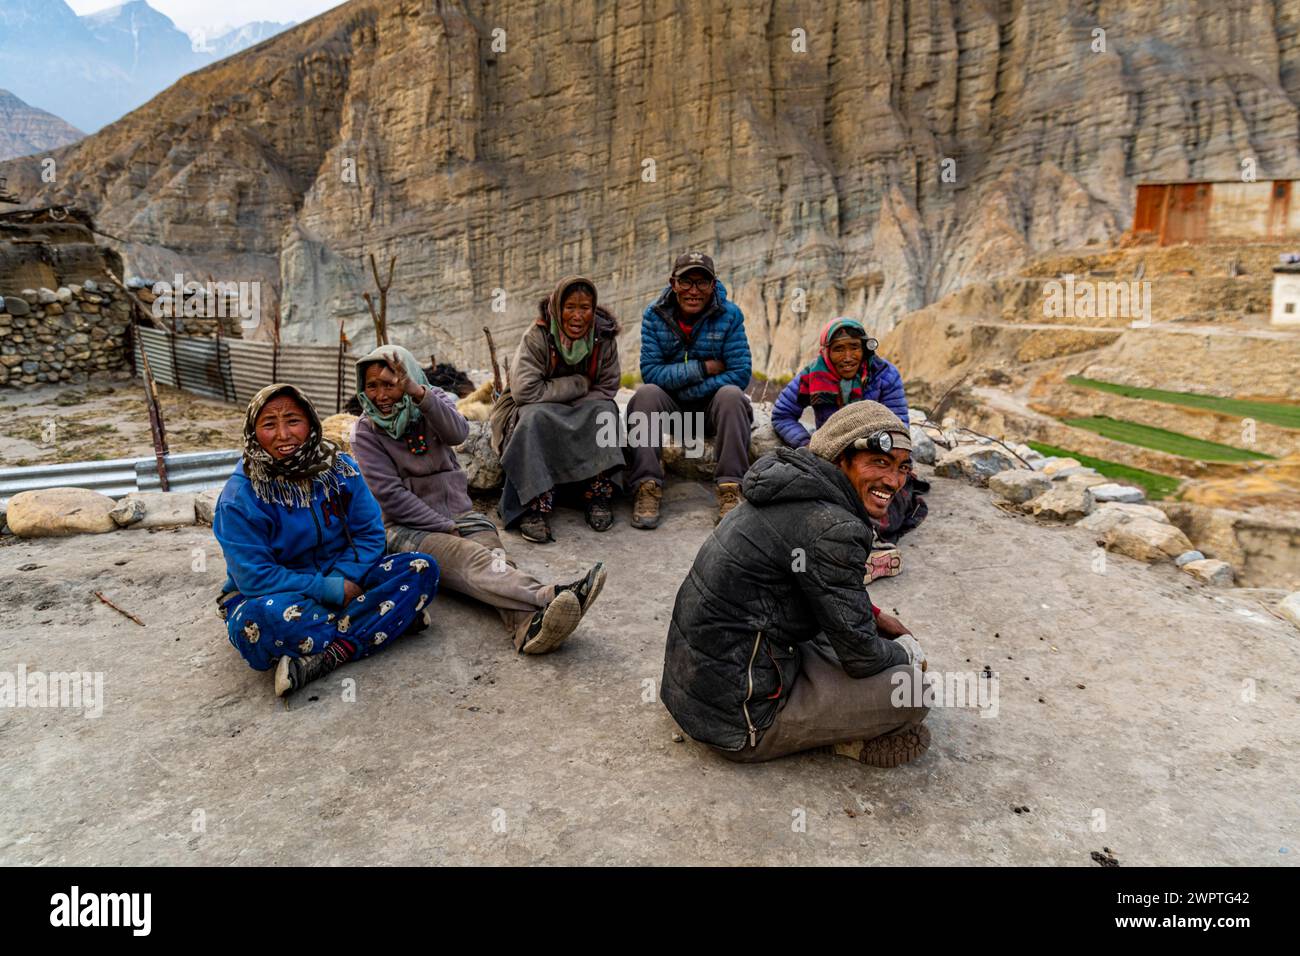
point(853, 425)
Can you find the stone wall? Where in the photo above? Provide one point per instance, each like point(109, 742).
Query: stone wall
point(62, 335)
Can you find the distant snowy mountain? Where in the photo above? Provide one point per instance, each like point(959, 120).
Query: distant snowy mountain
point(94, 69)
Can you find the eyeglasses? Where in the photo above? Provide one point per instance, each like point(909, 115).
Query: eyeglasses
point(703, 284)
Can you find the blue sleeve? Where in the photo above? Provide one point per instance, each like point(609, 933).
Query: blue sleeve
point(245, 533)
point(366, 525)
point(890, 389)
point(655, 369)
point(735, 353)
point(786, 413)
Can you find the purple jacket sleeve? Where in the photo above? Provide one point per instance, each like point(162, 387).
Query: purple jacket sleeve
point(889, 392)
point(400, 504)
point(446, 422)
point(786, 413)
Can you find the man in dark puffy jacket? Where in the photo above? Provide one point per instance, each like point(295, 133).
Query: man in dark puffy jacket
point(694, 361)
point(774, 646)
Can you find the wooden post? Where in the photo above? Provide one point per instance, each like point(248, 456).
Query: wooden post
point(496, 369)
point(156, 426)
point(343, 348)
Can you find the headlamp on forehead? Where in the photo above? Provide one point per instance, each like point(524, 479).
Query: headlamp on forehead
point(877, 441)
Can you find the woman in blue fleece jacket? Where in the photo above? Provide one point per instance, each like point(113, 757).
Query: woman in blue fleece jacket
point(843, 372)
point(308, 583)
point(847, 371)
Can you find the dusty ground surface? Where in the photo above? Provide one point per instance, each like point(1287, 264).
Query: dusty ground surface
point(451, 733)
point(107, 419)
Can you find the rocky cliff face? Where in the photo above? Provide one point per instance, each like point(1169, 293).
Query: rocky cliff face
point(498, 145)
point(25, 130)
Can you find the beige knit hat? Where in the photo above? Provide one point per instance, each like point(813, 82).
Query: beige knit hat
point(853, 425)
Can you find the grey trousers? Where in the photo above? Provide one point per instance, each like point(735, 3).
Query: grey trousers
point(477, 566)
point(728, 417)
point(827, 706)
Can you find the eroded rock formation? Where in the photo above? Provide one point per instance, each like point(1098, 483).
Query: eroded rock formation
point(498, 145)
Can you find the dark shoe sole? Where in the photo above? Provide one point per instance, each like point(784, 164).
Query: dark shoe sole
point(886, 752)
point(646, 524)
point(597, 583)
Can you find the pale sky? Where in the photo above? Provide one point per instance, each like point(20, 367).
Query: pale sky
point(217, 15)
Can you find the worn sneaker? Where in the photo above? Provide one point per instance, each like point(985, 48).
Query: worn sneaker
point(645, 508)
point(892, 750)
point(883, 563)
point(728, 497)
point(535, 528)
point(552, 624)
point(294, 673)
point(587, 588)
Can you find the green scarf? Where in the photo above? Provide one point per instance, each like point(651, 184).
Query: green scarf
point(405, 411)
point(288, 482)
point(573, 351)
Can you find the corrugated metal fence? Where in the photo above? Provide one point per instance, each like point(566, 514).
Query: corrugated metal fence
point(234, 370)
point(194, 471)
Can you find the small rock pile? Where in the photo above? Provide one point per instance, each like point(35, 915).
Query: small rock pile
point(62, 335)
point(1063, 490)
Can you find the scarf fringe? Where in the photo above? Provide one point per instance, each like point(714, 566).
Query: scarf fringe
point(298, 494)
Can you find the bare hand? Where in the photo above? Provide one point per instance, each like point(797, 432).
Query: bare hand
point(889, 626)
point(714, 366)
point(351, 592)
point(403, 380)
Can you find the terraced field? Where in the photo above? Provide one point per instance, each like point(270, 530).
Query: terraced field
point(1275, 413)
point(1162, 439)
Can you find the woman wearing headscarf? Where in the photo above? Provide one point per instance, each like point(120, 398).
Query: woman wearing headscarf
point(846, 370)
point(404, 443)
point(309, 586)
point(557, 423)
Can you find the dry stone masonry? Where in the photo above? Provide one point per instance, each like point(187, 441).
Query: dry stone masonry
point(62, 335)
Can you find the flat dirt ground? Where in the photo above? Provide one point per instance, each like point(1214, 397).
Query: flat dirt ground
point(1125, 720)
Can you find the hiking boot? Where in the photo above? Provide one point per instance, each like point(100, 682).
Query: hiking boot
point(600, 513)
point(586, 588)
point(728, 497)
point(645, 509)
point(535, 528)
point(892, 750)
point(552, 624)
point(294, 673)
point(883, 563)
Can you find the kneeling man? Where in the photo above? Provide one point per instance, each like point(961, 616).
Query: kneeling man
point(774, 646)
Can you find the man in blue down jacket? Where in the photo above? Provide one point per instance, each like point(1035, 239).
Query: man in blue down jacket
point(774, 645)
point(694, 361)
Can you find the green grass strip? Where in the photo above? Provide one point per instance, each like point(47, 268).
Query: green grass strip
point(1156, 486)
point(1161, 439)
point(1284, 414)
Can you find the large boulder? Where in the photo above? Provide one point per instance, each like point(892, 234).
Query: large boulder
point(480, 461)
point(924, 449)
point(1210, 571)
point(1111, 491)
point(1019, 485)
point(155, 509)
point(1107, 515)
point(762, 440)
point(1147, 540)
point(976, 463)
point(205, 505)
point(1062, 503)
point(1289, 607)
point(56, 512)
point(1054, 466)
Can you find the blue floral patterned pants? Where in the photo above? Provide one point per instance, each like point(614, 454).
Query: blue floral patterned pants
point(397, 587)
